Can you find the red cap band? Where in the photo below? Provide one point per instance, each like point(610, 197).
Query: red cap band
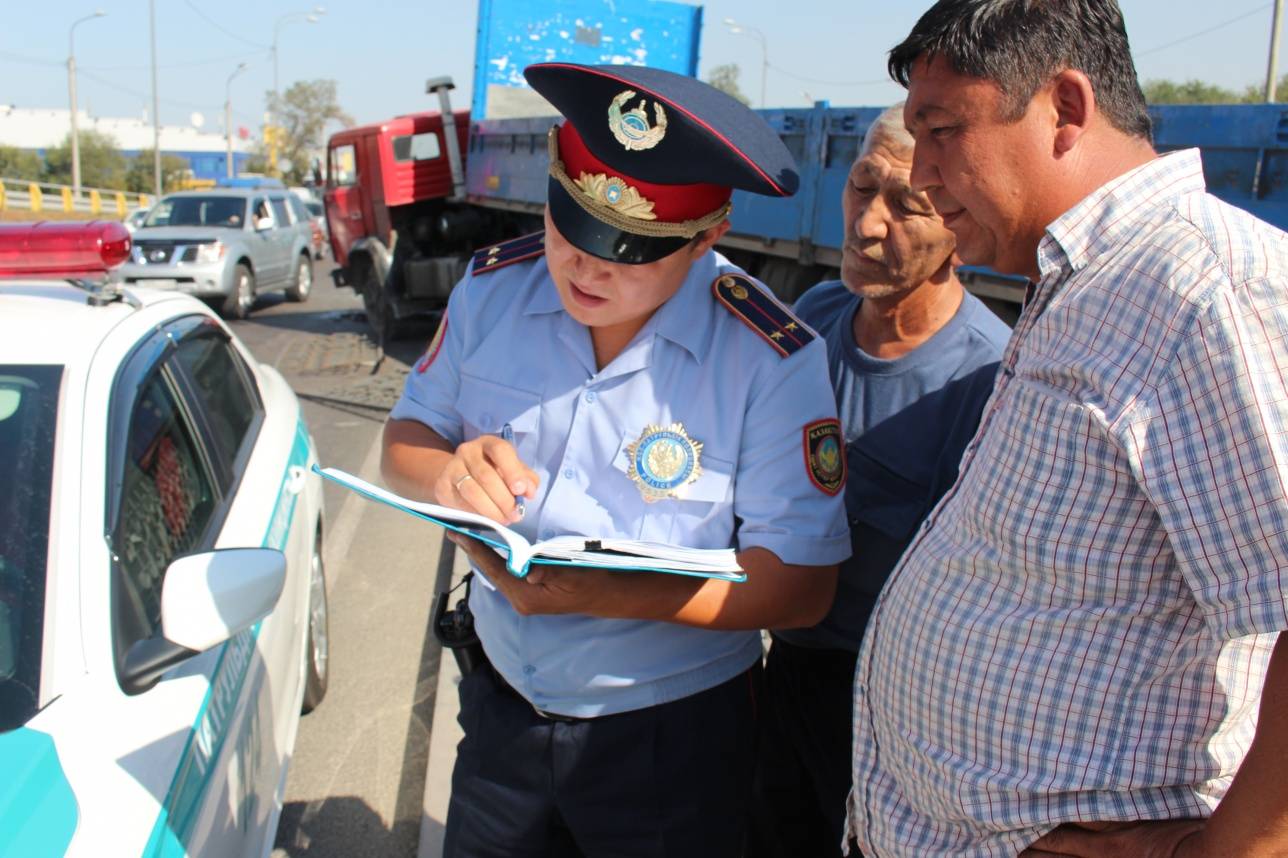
point(671, 203)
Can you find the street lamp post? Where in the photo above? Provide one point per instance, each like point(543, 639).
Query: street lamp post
point(228, 116)
point(310, 17)
point(71, 92)
point(1272, 67)
point(737, 29)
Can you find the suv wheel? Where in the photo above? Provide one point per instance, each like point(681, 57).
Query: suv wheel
point(238, 303)
point(299, 291)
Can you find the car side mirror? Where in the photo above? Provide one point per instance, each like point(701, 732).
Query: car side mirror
point(206, 599)
point(264, 223)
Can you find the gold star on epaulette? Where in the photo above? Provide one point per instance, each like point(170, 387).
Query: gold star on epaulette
point(791, 326)
point(778, 335)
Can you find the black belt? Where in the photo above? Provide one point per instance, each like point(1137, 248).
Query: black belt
point(548, 716)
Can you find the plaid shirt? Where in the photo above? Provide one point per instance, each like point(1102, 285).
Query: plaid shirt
point(1081, 628)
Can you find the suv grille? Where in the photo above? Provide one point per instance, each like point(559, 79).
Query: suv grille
point(163, 252)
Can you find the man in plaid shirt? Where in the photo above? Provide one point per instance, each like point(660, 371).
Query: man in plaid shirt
point(1078, 653)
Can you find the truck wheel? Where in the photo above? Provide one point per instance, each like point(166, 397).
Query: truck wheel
point(303, 285)
point(373, 300)
point(317, 653)
point(238, 303)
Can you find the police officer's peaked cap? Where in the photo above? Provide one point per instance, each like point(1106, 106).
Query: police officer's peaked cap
point(647, 159)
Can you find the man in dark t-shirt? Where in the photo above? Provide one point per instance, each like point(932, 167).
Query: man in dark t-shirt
point(912, 357)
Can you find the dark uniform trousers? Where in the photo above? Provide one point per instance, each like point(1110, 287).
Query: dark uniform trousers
point(804, 767)
point(669, 781)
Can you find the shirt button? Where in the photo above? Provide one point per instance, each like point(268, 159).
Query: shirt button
point(529, 669)
point(590, 396)
point(485, 422)
point(569, 473)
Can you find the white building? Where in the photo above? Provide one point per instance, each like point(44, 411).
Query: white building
point(39, 129)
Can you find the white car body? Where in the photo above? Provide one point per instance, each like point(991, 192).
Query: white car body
point(196, 764)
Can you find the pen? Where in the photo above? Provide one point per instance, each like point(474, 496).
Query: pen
point(507, 435)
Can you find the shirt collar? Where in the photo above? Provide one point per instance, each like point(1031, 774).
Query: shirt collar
point(1116, 209)
point(685, 319)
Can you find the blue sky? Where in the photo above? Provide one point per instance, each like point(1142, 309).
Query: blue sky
point(381, 51)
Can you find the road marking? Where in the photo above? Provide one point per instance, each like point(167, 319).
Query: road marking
point(340, 536)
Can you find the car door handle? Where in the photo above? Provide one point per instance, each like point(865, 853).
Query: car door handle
point(295, 480)
point(355, 215)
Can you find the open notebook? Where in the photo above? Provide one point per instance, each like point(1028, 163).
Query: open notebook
point(520, 554)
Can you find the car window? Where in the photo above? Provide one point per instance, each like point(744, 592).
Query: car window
point(300, 209)
point(167, 500)
point(342, 169)
point(224, 389)
point(416, 147)
point(198, 211)
point(280, 213)
point(28, 408)
point(315, 209)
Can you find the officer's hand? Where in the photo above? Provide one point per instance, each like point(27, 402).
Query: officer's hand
point(485, 476)
point(545, 590)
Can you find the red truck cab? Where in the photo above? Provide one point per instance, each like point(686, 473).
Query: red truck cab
point(399, 230)
point(374, 168)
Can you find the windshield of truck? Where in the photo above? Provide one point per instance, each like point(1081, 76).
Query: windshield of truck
point(28, 407)
point(229, 212)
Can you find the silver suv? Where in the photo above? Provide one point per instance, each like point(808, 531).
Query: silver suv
point(224, 245)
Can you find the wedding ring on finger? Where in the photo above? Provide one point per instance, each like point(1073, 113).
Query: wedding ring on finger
point(457, 485)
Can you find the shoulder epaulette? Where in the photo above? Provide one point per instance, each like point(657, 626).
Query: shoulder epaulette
point(508, 253)
point(762, 312)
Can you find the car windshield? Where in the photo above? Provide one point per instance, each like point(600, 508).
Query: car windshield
point(28, 407)
point(198, 211)
point(315, 208)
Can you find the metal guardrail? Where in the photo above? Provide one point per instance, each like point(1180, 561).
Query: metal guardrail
point(19, 195)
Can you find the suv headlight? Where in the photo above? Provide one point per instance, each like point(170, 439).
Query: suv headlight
point(212, 252)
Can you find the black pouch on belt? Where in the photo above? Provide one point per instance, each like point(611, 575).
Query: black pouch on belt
point(454, 629)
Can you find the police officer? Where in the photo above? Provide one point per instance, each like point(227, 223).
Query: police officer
point(623, 379)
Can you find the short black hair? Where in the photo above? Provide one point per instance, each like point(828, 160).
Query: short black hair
point(1021, 44)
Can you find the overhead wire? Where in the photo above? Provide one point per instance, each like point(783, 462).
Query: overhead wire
point(1204, 32)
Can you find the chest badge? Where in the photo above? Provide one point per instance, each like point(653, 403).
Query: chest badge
point(663, 460)
point(631, 128)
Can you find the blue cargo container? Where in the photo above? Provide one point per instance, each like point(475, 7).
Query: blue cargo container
point(792, 243)
point(513, 34)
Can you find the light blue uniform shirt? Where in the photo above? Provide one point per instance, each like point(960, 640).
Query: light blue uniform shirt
point(511, 354)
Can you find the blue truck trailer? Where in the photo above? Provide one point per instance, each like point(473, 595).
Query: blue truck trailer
point(793, 243)
point(408, 200)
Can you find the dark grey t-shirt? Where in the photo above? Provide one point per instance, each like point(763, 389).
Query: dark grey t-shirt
point(906, 423)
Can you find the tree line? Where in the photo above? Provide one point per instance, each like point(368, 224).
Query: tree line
point(726, 79)
point(302, 113)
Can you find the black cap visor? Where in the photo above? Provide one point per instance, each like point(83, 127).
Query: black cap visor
point(591, 235)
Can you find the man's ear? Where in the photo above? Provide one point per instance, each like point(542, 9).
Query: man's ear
point(1074, 102)
point(709, 240)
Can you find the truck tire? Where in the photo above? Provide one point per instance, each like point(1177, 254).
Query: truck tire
point(238, 303)
point(317, 649)
point(303, 285)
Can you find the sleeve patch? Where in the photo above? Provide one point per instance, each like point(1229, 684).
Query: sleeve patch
point(762, 312)
point(435, 345)
point(825, 455)
point(508, 252)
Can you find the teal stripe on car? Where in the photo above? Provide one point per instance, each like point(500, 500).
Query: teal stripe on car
point(178, 815)
point(36, 801)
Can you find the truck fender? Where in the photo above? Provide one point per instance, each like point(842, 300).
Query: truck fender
point(368, 251)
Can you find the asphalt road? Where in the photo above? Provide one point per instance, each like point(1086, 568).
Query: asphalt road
point(357, 779)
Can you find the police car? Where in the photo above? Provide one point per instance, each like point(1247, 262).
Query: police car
point(162, 595)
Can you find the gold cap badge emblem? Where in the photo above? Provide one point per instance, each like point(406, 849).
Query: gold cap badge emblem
point(631, 128)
